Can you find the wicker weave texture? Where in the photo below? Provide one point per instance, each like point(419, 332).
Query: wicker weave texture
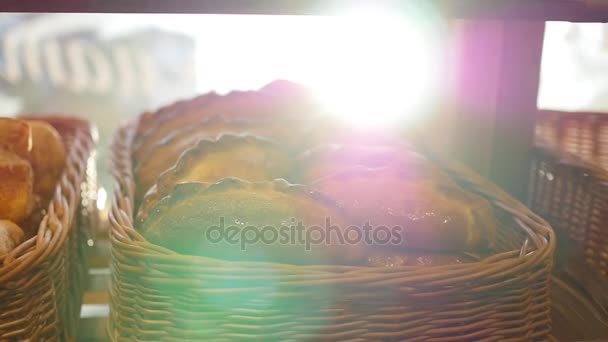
point(582, 134)
point(42, 280)
point(159, 295)
point(573, 196)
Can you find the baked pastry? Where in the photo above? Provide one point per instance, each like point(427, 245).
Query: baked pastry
point(327, 159)
point(242, 156)
point(278, 100)
point(431, 215)
point(165, 153)
point(15, 137)
point(11, 236)
point(253, 221)
point(16, 187)
point(48, 158)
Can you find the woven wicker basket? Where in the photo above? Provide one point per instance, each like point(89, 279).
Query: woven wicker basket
point(582, 134)
point(573, 195)
point(42, 280)
point(159, 295)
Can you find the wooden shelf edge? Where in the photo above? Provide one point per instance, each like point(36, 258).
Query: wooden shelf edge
point(545, 10)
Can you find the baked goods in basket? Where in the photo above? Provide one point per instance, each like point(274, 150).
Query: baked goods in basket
point(239, 220)
point(32, 159)
point(242, 156)
point(370, 177)
point(432, 215)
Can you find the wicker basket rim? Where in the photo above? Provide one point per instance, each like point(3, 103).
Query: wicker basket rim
point(123, 233)
point(54, 227)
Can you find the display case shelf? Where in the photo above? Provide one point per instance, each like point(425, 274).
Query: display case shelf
point(546, 10)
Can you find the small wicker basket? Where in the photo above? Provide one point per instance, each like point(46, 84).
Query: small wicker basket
point(582, 134)
point(159, 295)
point(42, 280)
point(572, 194)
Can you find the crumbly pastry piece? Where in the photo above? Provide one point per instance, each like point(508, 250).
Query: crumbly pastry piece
point(431, 215)
point(16, 187)
point(11, 235)
point(15, 137)
point(259, 221)
point(326, 159)
point(48, 158)
point(246, 156)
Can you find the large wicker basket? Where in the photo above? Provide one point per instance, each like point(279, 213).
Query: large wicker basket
point(159, 295)
point(42, 280)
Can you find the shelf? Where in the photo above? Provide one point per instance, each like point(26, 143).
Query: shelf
point(554, 10)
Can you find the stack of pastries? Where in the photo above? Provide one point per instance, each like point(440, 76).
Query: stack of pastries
point(272, 158)
point(32, 159)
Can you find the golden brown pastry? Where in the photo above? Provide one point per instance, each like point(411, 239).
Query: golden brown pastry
point(11, 236)
point(15, 137)
point(16, 187)
point(164, 154)
point(327, 159)
point(431, 215)
point(242, 156)
point(239, 220)
point(48, 158)
point(278, 100)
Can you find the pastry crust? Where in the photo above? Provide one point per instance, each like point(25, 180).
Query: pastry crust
point(164, 154)
point(48, 158)
point(183, 222)
point(16, 187)
point(242, 156)
point(431, 215)
point(327, 159)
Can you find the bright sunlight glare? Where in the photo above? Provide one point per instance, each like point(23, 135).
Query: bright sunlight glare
point(367, 66)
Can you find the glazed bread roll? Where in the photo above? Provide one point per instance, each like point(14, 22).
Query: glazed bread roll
point(16, 187)
point(48, 158)
point(11, 236)
point(247, 157)
point(186, 220)
point(431, 215)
